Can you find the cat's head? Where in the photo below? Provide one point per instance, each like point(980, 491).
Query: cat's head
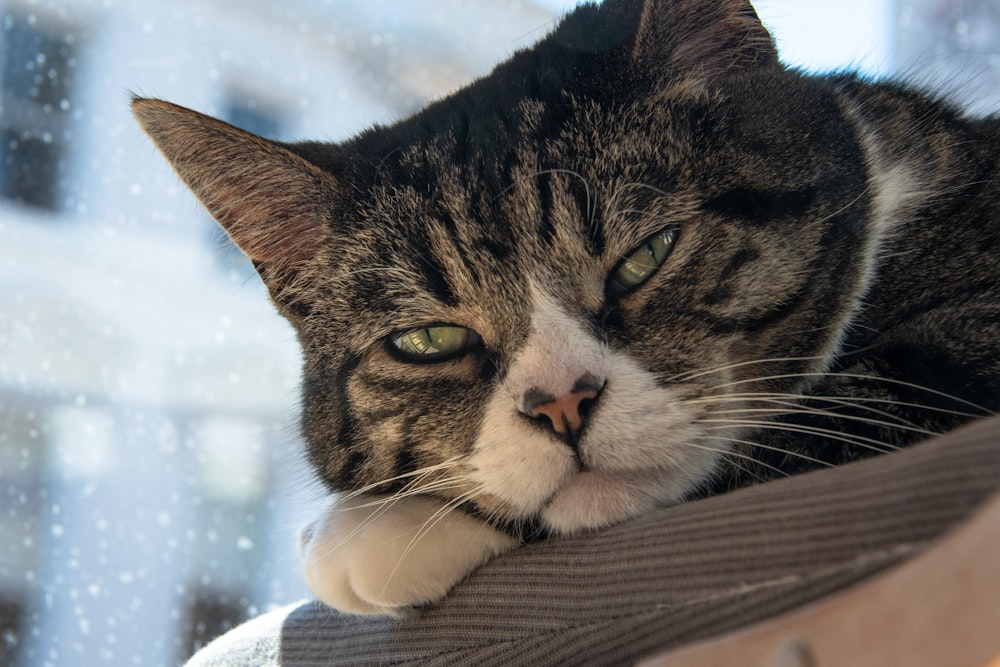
point(550, 296)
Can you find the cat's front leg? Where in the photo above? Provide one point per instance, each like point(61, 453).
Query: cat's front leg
point(376, 555)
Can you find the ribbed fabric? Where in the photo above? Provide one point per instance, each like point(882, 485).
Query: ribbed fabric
point(663, 580)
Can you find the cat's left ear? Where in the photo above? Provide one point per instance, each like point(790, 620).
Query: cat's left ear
point(276, 206)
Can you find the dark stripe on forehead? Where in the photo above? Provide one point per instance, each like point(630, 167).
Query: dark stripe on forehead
point(588, 214)
point(546, 228)
point(592, 221)
point(457, 248)
point(497, 250)
point(494, 232)
point(760, 206)
point(432, 270)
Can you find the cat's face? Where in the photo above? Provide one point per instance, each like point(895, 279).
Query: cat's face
point(554, 297)
point(569, 329)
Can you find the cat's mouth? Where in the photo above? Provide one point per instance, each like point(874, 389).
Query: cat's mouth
point(593, 498)
point(635, 446)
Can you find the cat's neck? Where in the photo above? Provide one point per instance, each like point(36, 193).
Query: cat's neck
point(934, 183)
point(919, 149)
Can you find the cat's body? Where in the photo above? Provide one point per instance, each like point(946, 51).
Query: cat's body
point(639, 263)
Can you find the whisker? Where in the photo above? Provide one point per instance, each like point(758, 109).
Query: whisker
point(419, 473)
point(857, 402)
point(770, 448)
point(443, 511)
point(792, 404)
point(689, 375)
point(818, 412)
point(641, 186)
point(863, 193)
point(429, 524)
point(856, 440)
point(859, 376)
point(383, 505)
point(546, 172)
point(729, 453)
point(438, 485)
point(415, 486)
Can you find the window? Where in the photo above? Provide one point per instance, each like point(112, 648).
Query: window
point(246, 112)
point(211, 613)
point(232, 482)
point(23, 451)
point(37, 69)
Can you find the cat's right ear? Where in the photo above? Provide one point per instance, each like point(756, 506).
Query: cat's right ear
point(700, 38)
point(276, 206)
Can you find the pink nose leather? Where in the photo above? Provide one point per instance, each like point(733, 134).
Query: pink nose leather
point(564, 412)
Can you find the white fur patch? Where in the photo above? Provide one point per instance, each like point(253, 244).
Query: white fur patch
point(634, 449)
point(895, 190)
point(374, 555)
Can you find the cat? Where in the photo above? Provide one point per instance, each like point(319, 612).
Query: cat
point(640, 263)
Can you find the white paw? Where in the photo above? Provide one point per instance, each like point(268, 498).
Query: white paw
point(373, 555)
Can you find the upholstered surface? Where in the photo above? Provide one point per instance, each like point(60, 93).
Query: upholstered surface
point(664, 580)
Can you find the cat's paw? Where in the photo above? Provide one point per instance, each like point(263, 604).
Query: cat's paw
point(373, 555)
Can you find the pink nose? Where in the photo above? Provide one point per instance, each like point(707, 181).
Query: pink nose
point(567, 414)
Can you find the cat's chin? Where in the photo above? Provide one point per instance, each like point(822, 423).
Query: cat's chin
point(595, 498)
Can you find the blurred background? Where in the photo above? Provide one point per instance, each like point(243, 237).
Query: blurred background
point(151, 489)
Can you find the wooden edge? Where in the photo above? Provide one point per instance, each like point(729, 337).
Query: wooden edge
point(941, 608)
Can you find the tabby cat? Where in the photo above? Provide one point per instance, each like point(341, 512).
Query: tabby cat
point(639, 263)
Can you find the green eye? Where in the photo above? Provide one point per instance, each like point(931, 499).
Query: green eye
point(643, 262)
point(436, 343)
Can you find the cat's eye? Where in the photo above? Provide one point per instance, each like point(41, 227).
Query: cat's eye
point(642, 263)
point(435, 343)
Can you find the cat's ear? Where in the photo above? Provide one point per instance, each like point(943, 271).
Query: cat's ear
point(704, 38)
point(276, 206)
point(709, 36)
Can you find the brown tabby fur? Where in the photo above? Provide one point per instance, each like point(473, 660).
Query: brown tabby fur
point(837, 256)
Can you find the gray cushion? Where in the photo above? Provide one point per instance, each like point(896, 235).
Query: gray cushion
point(663, 580)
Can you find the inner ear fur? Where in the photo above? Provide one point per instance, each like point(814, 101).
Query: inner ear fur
point(276, 206)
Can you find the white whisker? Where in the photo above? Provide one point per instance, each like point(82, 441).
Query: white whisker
point(857, 402)
point(857, 376)
point(817, 412)
point(856, 440)
point(383, 505)
point(779, 450)
point(414, 487)
point(690, 375)
point(429, 524)
point(418, 475)
point(729, 453)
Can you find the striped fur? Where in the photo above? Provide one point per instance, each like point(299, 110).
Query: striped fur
point(833, 290)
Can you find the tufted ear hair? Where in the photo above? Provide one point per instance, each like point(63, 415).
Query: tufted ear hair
point(703, 38)
point(275, 205)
